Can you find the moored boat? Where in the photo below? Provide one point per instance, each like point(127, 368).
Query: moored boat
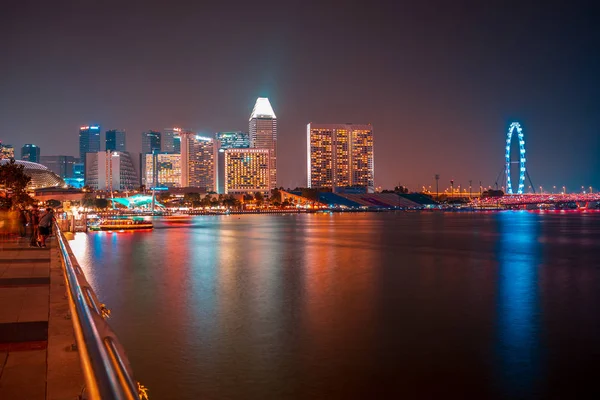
point(123, 223)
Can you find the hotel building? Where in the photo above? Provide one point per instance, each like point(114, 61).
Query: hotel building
point(162, 170)
point(224, 141)
point(263, 134)
point(198, 161)
point(247, 171)
point(340, 155)
point(106, 170)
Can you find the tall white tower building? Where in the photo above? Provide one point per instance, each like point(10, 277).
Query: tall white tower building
point(263, 134)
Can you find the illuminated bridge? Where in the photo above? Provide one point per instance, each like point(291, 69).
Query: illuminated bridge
point(583, 200)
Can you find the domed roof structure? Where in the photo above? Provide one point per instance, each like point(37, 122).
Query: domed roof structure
point(41, 176)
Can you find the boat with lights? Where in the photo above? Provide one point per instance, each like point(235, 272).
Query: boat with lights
point(123, 223)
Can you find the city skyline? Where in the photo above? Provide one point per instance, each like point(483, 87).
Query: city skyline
point(439, 83)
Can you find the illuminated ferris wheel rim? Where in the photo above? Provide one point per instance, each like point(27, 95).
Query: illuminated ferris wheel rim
point(522, 159)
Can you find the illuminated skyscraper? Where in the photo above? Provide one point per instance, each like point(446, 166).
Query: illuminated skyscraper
point(115, 140)
point(198, 161)
point(233, 140)
point(247, 171)
point(89, 142)
point(163, 170)
point(340, 155)
point(106, 170)
point(30, 152)
point(228, 140)
point(263, 134)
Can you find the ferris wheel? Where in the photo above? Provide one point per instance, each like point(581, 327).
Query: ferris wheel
point(515, 127)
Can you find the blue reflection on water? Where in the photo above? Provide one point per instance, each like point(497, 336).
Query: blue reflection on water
point(517, 346)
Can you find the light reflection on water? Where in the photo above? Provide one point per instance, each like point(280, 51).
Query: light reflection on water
point(518, 304)
point(413, 305)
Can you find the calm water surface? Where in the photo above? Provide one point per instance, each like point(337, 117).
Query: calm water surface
point(374, 305)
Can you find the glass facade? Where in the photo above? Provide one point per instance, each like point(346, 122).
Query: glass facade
point(41, 177)
point(30, 152)
point(89, 140)
point(115, 140)
point(60, 165)
point(233, 140)
point(151, 141)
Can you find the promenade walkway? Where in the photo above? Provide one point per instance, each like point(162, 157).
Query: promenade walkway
point(37, 357)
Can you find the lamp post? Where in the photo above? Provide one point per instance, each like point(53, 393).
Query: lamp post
point(564, 190)
point(437, 189)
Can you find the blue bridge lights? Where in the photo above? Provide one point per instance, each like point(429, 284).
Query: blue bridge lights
point(515, 127)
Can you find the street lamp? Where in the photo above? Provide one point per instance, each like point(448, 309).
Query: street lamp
point(541, 190)
point(564, 190)
point(591, 190)
point(553, 189)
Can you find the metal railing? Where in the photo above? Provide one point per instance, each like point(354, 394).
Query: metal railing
point(105, 367)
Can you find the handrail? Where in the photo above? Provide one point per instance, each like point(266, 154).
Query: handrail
point(105, 367)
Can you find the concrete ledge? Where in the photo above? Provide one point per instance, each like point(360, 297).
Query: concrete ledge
point(14, 332)
point(34, 281)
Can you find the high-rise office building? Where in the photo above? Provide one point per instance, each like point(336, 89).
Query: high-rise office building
point(60, 165)
point(263, 134)
point(233, 140)
point(162, 170)
point(89, 142)
point(198, 161)
point(150, 141)
point(106, 170)
point(30, 152)
point(115, 140)
point(224, 141)
point(340, 155)
point(168, 139)
point(247, 171)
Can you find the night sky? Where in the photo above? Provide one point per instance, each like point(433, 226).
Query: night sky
point(439, 80)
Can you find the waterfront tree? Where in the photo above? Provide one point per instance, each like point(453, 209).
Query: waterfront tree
point(101, 203)
point(259, 198)
point(14, 181)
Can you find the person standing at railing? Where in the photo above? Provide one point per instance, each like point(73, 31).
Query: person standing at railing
point(34, 220)
point(22, 221)
point(45, 224)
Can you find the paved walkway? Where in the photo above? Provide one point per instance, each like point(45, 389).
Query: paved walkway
point(37, 359)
